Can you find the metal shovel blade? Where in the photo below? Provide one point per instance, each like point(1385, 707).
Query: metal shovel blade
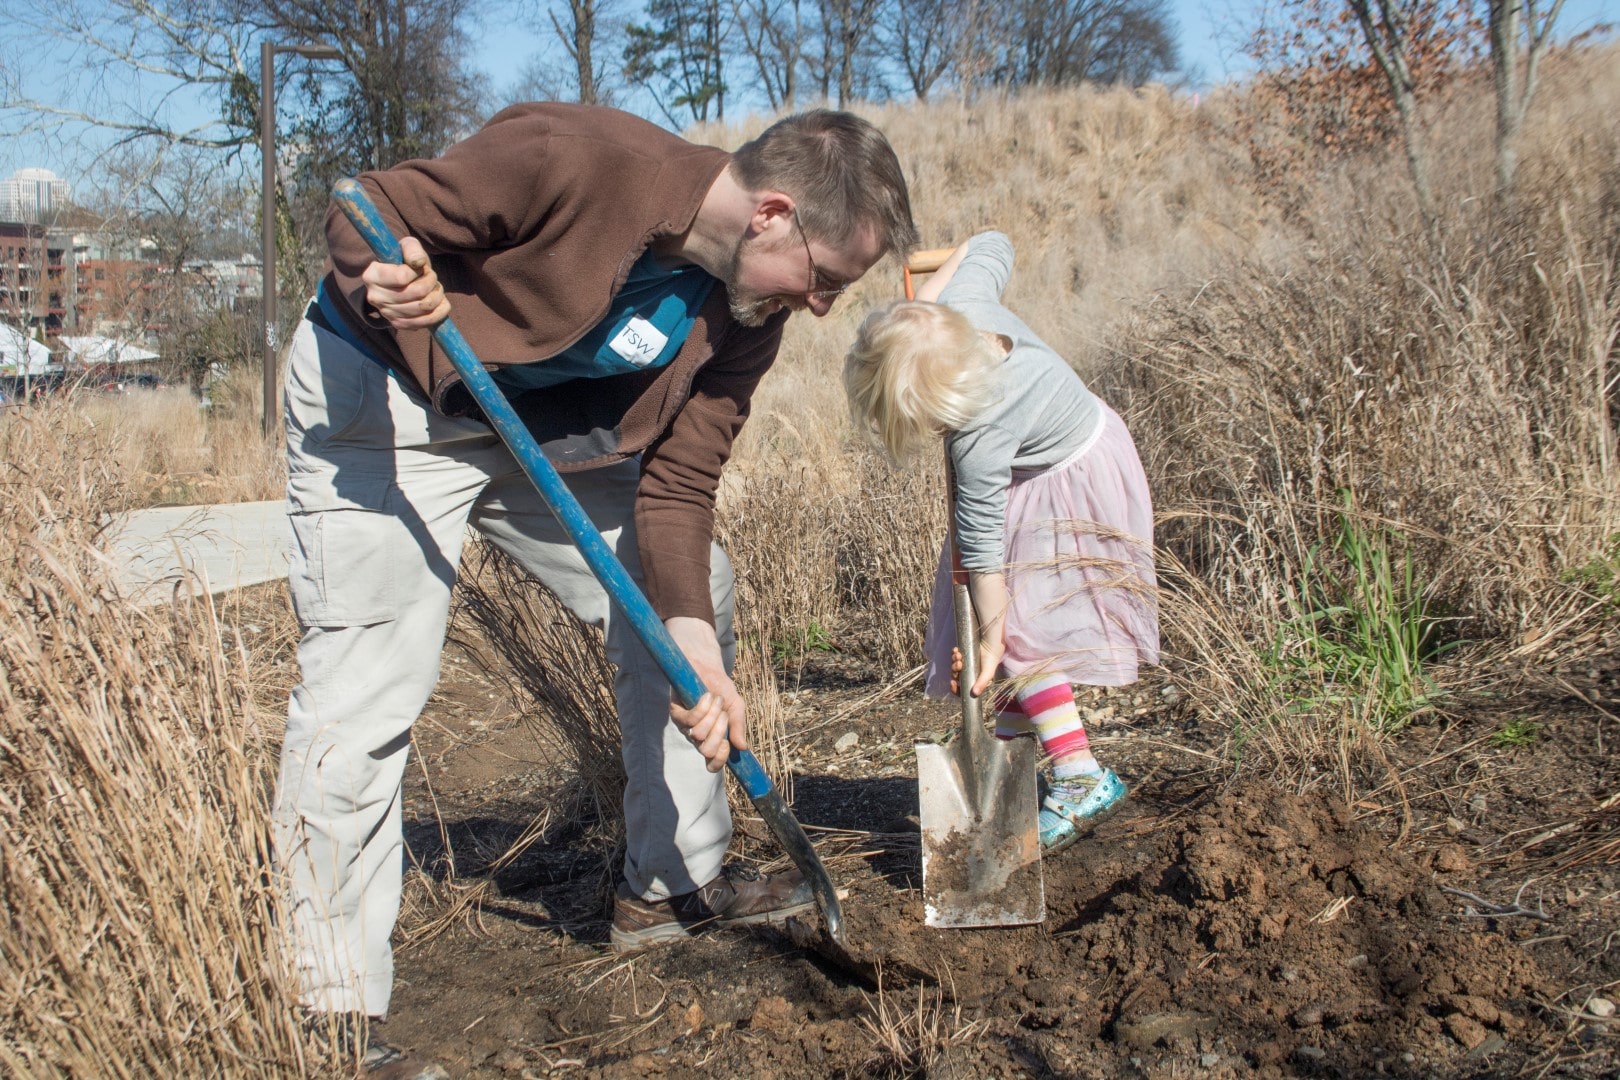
point(981, 856)
point(981, 847)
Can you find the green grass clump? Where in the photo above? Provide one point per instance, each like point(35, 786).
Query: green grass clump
point(1363, 632)
point(1516, 732)
point(1601, 575)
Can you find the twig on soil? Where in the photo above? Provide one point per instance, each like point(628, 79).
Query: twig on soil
point(887, 690)
point(1334, 909)
point(1167, 744)
point(1420, 766)
point(1491, 910)
point(438, 816)
point(1400, 789)
point(1565, 684)
point(1599, 840)
point(563, 1063)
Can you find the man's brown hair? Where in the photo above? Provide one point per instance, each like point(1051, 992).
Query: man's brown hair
point(841, 172)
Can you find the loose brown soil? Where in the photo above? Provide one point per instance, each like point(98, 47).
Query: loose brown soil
point(1213, 928)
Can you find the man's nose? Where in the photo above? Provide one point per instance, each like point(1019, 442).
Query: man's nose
point(819, 305)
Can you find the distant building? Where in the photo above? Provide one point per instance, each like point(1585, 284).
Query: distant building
point(224, 283)
point(60, 273)
point(33, 196)
point(32, 275)
point(113, 285)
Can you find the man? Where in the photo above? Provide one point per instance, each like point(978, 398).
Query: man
point(628, 290)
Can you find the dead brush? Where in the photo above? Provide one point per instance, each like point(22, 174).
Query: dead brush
point(1464, 397)
point(916, 1038)
point(135, 777)
point(246, 466)
point(890, 527)
point(558, 672)
point(176, 452)
point(774, 524)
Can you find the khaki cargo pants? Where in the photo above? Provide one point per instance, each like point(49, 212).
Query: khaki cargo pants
point(380, 491)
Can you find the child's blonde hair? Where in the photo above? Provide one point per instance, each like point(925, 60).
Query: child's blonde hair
point(916, 371)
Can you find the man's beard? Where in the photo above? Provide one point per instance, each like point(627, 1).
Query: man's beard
point(749, 309)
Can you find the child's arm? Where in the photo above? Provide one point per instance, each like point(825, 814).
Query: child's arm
point(977, 272)
point(930, 289)
point(989, 593)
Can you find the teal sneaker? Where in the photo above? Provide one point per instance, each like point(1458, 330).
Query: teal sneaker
point(1071, 808)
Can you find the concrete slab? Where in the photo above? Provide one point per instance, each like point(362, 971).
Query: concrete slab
point(213, 548)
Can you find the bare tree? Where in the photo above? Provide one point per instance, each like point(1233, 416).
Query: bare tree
point(1515, 86)
point(772, 33)
point(1387, 28)
point(406, 92)
point(1058, 42)
point(679, 56)
point(186, 201)
point(926, 38)
point(184, 206)
point(106, 51)
point(846, 62)
point(579, 37)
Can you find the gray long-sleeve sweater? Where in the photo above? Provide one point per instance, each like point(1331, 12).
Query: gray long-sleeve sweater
point(1039, 412)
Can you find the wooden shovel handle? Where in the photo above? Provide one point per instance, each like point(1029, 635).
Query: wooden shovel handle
point(926, 262)
point(923, 262)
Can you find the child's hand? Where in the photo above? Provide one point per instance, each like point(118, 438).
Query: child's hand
point(990, 654)
point(989, 659)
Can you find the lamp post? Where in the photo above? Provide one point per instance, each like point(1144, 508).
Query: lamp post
point(267, 150)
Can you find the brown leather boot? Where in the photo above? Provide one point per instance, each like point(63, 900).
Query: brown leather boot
point(384, 1062)
point(738, 897)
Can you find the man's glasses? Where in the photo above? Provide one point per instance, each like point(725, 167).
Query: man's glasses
point(820, 287)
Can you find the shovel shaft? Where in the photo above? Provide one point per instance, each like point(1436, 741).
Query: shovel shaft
point(974, 748)
point(621, 588)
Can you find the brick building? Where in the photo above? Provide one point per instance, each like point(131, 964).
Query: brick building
point(60, 272)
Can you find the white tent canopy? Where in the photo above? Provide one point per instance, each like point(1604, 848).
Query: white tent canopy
point(21, 354)
point(94, 349)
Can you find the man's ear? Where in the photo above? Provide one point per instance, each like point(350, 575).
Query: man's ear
point(768, 207)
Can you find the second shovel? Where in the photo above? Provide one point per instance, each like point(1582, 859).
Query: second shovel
point(981, 848)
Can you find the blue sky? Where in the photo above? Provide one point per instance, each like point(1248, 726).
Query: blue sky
point(1211, 34)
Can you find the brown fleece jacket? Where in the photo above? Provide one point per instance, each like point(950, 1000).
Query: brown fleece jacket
point(533, 224)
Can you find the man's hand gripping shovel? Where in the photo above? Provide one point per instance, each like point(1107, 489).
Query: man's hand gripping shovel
point(608, 570)
point(981, 847)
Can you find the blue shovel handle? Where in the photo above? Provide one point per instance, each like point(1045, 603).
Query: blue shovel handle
point(357, 205)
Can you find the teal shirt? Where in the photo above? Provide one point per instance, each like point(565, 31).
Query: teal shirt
point(645, 327)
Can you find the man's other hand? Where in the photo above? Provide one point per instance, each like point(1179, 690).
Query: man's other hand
point(718, 721)
point(407, 294)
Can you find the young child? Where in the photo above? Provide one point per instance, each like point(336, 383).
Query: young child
point(1053, 517)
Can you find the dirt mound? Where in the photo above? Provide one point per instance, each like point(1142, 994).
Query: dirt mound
point(1206, 931)
point(1248, 932)
point(1278, 917)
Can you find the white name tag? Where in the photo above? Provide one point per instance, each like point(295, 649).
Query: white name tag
point(639, 342)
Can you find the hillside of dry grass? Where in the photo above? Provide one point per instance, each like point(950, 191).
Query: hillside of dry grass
point(1334, 413)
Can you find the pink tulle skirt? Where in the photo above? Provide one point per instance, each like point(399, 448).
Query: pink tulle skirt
point(1079, 549)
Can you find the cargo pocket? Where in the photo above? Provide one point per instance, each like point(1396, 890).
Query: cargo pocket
point(345, 565)
point(334, 393)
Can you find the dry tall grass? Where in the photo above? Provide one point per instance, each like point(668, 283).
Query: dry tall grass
point(138, 936)
point(180, 453)
point(558, 673)
point(1271, 363)
point(1461, 398)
